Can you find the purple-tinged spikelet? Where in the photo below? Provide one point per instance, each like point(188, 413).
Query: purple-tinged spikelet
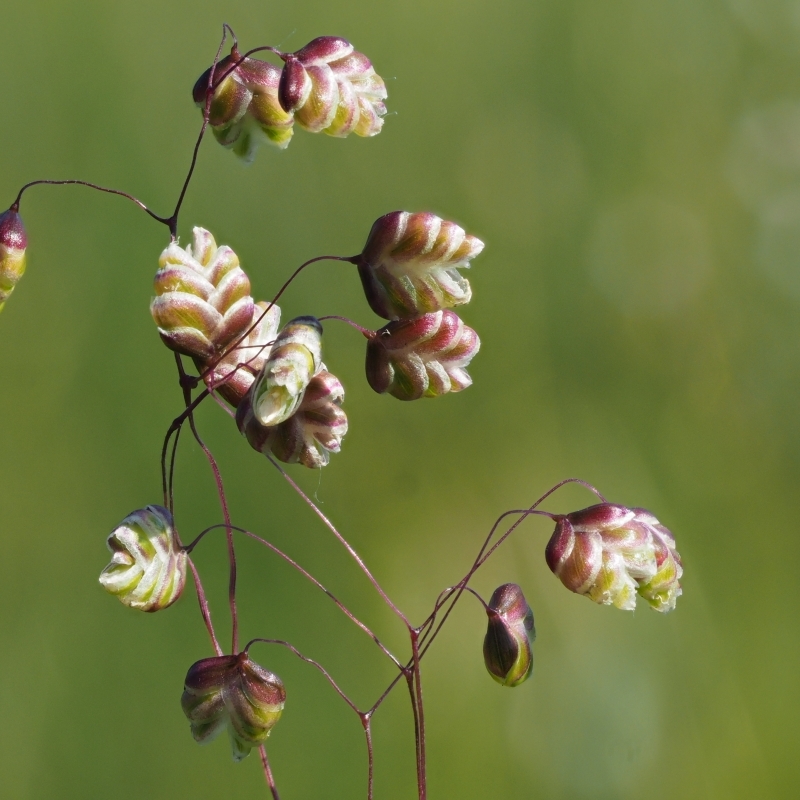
point(331, 87)
point(148, 567)
point(202, 300)
point(314, 431)
point(245, 110)
point(611, 553)
point(507, 649)
point(409, 265)
point(294, 359)
point(234, 373)
point(422, 357)
point(13, 243)
point(232, 692)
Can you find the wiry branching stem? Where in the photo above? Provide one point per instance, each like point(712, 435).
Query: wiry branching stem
point(332, 528)
point(484, 553)
point(289, 560)
point(365, 331)
point(366, 721)
point(187, 396)
point(90, 185)
point(268, 773)
point(422, 779)
point(308, 660)
point(172, 221)
point(205, 611)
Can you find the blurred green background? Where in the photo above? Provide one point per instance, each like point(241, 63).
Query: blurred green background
point(634, 167)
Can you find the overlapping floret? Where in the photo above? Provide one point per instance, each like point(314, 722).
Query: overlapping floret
point(326, 86)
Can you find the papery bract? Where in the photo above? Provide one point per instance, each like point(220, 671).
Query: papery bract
point(422, 357)
point(148, 567)
point(232, 692)
point(233, 374)
point(13, 243)
point(202, 300)
point(331, 87)
point(315, 430)
point(245, 110)
point(611, 553)
point(294, 359)
point(409, 265)
point(507, 649)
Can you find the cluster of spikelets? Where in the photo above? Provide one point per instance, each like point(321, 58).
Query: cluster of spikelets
point(409, 271)
point(232, 693)
point(325, 86)
point(289, 405)
point(148, 573)
point(287, 402)
point(612, 553)
point(607, 552)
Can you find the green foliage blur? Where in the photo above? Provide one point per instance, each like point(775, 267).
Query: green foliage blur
point(634, 167)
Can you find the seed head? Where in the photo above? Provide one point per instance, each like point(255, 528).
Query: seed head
point(507, 649)
point(148, 566)
point(410, 265)
point(330, 87)
point(245, 111)
point(422, 357)
point(232, 692)
point(202, 300)
point(294, 359)
point(13, 243)
point(612, 553)
point(315, 430)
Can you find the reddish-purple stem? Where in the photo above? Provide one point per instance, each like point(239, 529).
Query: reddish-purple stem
point(172, 459)
point(238, 58)
point(409, 676)
point(223, 500)
point(289, 560)
point(167, 476)
point(483, 554)
point(431, 633)
point(172, 221)
point(449, 590)
point(364, 716)
point(343, 542)
point(204, 609)
point(366, 331)
point(268, 773)
point(139, 203)
point(422, 786)
point(226, 27)
point(461, 586)
point(175, 426)
point(220, 402)
point(412, 669)
point(308, 660)
point(366, 721)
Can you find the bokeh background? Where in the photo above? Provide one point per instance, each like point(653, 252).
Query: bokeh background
point(634, 167)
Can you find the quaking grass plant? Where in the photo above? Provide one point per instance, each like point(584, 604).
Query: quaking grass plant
point(272, 381)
